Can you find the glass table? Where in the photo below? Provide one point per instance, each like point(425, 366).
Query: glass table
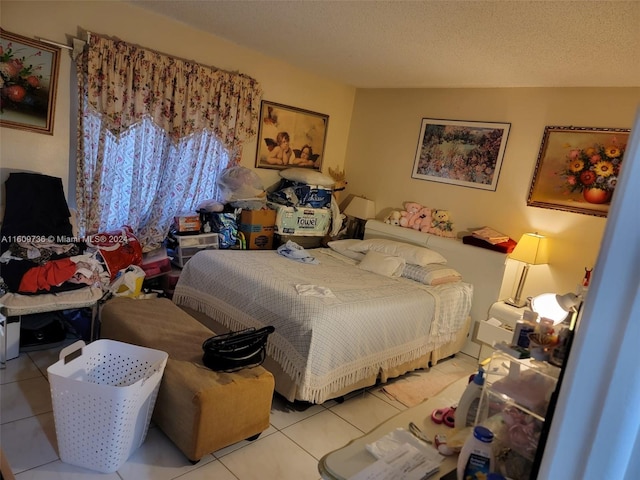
point(346, 461)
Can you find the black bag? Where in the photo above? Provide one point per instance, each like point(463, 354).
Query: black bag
point(42, 330)
point(236, 350)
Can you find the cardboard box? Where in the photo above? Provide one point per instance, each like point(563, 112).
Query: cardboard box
point(257, 226)
point(187, 223)
point(302, 221)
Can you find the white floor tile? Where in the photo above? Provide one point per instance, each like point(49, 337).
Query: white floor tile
point(322, 433)
point(20, 368)
point(24, 399)
point(62, 471)
point(29, 442)
point(365, 411)
point(288, 450)
point(211, 471)
point(461, 363)
point(45, 358)
point(272, 457)
point(158, 459)
point(236, 446)
point(283, 414)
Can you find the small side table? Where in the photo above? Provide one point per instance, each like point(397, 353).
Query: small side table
point(489, 334)
point(343, 463)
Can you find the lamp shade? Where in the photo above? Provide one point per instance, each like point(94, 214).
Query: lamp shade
point(531, 249)
point(554, 307)
point(361, 208)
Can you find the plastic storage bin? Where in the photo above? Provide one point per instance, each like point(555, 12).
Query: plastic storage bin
point(513, 405)
point(103, 396)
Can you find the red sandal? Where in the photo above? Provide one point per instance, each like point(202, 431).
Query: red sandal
point(444, 415)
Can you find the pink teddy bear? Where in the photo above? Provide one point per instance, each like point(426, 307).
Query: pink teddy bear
point(424, 222)
point(410, 214)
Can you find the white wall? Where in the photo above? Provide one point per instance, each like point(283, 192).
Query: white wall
point(60, 20)
point(384, 137)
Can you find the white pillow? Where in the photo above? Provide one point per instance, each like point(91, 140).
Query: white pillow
point(382, 264)
point(307, 175)
point(342, 247)
point(411, 253)
point(434, 274)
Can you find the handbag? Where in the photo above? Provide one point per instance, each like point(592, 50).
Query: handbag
point(118, 249)
point(236, 350)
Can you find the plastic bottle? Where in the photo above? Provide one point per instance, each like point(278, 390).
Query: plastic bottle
point(476, 458)
point(521, 333)
point(468, 404)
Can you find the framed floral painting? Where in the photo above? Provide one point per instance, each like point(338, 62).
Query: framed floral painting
point(578, 169)
point(290, 137)
point(28, 76)
point(462, 153)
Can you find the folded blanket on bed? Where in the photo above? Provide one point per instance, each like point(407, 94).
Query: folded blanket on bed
point(295, 252)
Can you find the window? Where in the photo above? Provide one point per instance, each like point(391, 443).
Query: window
point(143, 179)
point(154, 134)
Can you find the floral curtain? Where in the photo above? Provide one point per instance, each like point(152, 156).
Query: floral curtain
point(154, 133)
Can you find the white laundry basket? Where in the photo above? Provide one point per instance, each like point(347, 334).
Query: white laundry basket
point(103, 396)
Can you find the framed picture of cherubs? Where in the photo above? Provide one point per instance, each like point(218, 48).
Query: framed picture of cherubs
point(290, 137)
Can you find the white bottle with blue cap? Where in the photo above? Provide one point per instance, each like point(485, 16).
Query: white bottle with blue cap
point(468, 405)
point(476, 459)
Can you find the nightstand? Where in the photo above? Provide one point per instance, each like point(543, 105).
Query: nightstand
point(498, 327)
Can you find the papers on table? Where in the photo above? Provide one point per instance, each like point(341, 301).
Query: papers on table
point(401, 456)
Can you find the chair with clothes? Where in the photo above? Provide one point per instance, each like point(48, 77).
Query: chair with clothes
point(43, 269)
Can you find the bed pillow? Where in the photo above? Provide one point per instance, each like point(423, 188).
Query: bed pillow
point(434, 274)
point(382, 264)
point(342, 247)
point(307, 175)
point(411, 253)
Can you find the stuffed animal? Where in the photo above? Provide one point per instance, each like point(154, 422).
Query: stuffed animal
point(410, 214)
point(441, 224)
point(393, 218)
point(424, 222)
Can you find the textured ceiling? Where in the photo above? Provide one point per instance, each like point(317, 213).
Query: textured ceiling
point(433, 43)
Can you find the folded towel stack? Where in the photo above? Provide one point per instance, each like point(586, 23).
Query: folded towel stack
point(490, 235)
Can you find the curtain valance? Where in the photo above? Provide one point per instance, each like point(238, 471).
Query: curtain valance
point(126, 82)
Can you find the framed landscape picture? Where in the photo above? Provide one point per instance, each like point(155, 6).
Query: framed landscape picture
point(462, 153)
point(578, 169)
point(28, 74)
point(290, 137)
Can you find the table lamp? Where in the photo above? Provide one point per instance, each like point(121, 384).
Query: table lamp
point(360, 209)
point(555, 307)
point(532, 249)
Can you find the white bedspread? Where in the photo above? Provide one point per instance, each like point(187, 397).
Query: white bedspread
point(324, 342)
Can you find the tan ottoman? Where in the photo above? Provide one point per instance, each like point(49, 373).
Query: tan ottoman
point(200, 410)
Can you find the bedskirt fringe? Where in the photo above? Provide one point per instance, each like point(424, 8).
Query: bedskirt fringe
point(311, 388)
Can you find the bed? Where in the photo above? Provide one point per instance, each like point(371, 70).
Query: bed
point(338, 327)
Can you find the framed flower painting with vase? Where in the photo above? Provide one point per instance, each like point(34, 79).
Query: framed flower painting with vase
point(28, 77)
point(578, 169)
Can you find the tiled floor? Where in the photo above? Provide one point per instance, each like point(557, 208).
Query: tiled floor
point(288, 450)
